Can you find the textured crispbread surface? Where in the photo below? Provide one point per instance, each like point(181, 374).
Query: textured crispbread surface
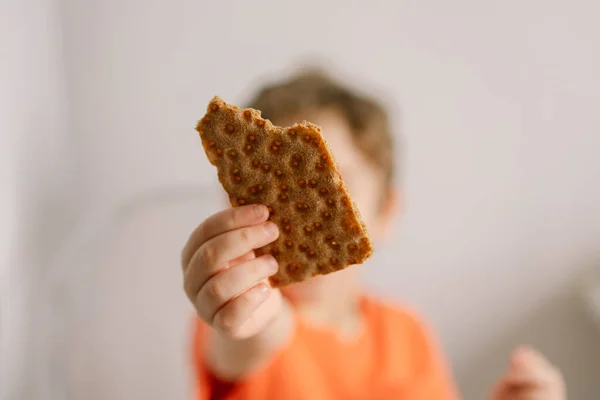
point(291, 171)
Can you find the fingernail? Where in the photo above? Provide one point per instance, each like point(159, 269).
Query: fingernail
point(263, 287)
point(259, 210)
point(272, 229)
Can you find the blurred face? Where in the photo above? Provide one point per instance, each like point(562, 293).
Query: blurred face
point(366, 186)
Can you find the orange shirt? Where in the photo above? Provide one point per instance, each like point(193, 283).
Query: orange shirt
point(393, 358)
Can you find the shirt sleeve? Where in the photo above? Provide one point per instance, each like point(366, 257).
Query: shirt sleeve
point(212, 387)
point(209, 386)
point(431, 377)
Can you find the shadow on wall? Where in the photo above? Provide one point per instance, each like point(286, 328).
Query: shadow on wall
point(563, 331)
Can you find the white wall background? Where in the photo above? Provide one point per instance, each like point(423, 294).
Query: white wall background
point(34, 114)
point(34, 187)
point(500, 112)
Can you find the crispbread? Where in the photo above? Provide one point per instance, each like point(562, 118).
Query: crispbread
point(293, 173)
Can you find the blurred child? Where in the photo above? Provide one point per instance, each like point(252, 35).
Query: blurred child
point(323, 338)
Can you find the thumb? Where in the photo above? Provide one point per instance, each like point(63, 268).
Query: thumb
point(526, 358)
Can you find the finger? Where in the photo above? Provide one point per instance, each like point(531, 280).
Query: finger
point(526, 357)
point(217, 254)
point(233, 315)
point(507, 391)
point(533, 379)
point(504, 389)
point(529, 367)
point(231, 282)
point(530, 375)
point(548, 385)
point(259, 316)
point(246, 257)
point(519, 393)
point(224, 221)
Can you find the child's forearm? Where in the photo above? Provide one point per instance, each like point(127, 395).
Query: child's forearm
point(232, 360)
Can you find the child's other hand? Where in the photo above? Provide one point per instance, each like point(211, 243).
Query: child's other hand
point(224, 280)
point(530, 377)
